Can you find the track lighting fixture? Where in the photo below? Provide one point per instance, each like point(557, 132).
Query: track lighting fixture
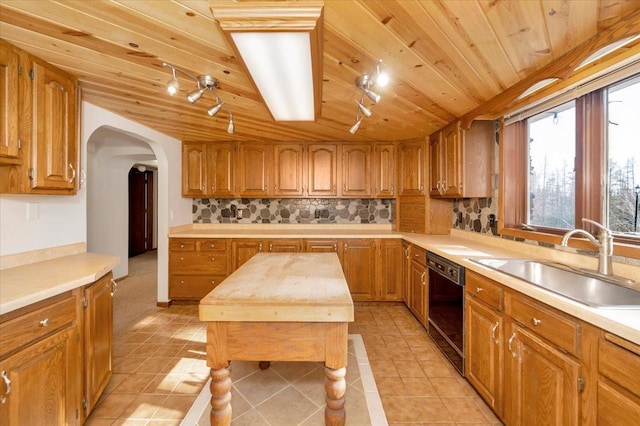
point(205, 83)
point(365, 82)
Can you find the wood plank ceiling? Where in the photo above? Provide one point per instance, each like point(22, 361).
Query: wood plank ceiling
point(446, 59)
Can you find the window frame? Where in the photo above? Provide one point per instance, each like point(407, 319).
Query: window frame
point(590, 175)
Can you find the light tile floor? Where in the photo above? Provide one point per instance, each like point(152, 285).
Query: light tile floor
point(159, 369)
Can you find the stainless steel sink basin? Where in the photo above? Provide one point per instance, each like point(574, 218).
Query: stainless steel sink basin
point(568, 282)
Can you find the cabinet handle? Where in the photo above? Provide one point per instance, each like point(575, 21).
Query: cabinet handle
point(422, 277)
point(275, 187)
point(213, 282)
point(213, 259)
point(406, 252)
point(444, 185)
point(335, 248)
point(392, 188)
point(344, 187)
point(114, 287)
point(213, 246)
point(535, 321)
point(181, 281)
point(260, 247)
point(421, 187)
point(7, 384)
point(181, 245)
point(73, 173)
point(266, 187)
point(493, 333)
point(513, 336)
point(344, 248)
point(479, 289)
point(270, 246)
point(45, 322)
point(213, 188)
point(182, 258)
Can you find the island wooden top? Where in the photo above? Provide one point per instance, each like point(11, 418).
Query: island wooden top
point(283, 287)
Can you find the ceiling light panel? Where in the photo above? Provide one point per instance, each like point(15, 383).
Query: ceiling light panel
point(280, 64)
point(281, 47)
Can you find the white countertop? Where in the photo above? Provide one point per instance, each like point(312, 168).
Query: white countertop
point(282, 287)
point(459, 246)
point(23, 285)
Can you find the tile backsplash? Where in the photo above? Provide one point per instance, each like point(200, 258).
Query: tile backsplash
point(476, 214)
point(296, 210)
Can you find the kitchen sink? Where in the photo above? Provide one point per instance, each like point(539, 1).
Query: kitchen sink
point(582, 286)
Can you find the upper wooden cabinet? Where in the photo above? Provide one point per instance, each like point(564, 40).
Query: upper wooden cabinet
point(461, 161)
point(384, 170)
point(9, 81)
point(356, 170)
point(411, 166)
point(289, 170)
point(254, 169)
point(41, 153)
point(323, 170)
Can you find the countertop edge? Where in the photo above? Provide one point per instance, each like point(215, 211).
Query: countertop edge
point(73, 278)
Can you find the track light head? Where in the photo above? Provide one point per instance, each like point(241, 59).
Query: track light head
point(356, 126)
point(195, 95)
point(231, 127)
point(363, 109)
point(173, 85)
point(372, 95)
point(215, 109)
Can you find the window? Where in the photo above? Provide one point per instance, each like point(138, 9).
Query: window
point(623, 146)
point(552, 152)
point(574, 160)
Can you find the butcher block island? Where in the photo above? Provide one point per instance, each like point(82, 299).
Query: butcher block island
point(279, 307)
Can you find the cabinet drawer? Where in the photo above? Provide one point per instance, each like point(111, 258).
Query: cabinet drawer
point(176, 244)
point(560, 330)
point(213, 245)
point(24, 329)
point(619, 365)
point(192, 287)
point(418, 254)
point(198, 264)
point(484, 289)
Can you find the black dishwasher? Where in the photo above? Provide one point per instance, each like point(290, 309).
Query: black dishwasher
point(446, 308)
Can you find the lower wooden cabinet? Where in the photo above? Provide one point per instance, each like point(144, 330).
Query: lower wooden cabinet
point(197, 266)
point(56, 356)
point(244, 249)
point(618, 385)
point(484, 344)
point(389, 270)
point(418, 284)
point(358, 264)
point(98, 339)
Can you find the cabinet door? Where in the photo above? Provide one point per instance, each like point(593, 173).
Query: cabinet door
point(55, 155)
point(323, 170)
point(389, 278)
point(435, 164)
point(411, 163)
point(358, 264)
point(418, 290)
point(450, 161)
point(221, 169)
point(285, 246)
point(245, 249)
point(9, 62)
point(288, 173)
point(384, 171)
point(356, 170)
point(45, 382)
point(484, 351)
point(194, 170)
point(255, 161)
point(98, 339)
point(406, 273)
point(541, 382)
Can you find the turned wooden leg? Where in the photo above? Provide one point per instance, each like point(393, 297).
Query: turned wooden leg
point(264, 365)
point(220, 397)
point(335, 384)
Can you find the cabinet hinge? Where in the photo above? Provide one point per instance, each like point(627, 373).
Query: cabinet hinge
point(85, 403)
point(19, 69)
point(85, 302)
point(31, 173)
point(580, 385)
point(32, 75)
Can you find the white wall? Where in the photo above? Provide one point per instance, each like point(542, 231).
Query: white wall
point(114, 147)
point(63, 219)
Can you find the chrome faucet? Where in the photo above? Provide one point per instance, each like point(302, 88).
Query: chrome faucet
point(604, 243)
